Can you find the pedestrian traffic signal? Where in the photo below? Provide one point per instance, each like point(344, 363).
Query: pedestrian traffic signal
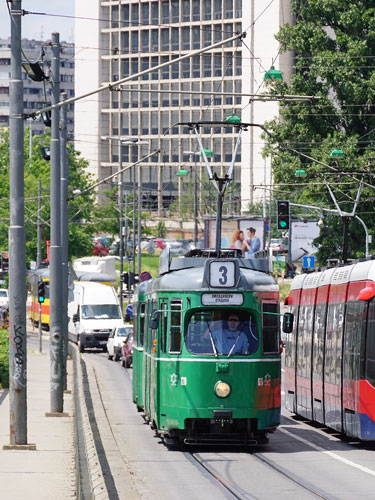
point(283, 215)
point(41, 290)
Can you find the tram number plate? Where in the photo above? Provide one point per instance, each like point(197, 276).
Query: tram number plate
point(222, 274)
point(213, 299)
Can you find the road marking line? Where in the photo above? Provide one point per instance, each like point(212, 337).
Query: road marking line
point(329, 453)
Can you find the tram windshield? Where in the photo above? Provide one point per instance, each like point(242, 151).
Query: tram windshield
point(222, 333)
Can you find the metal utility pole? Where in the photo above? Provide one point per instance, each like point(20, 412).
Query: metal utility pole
point(121, 252)
point(134, 210)
point(17, 245)
point(195, 235)
point(139, 220)
point(39, 227)
point(64, 180)
point(56, 296)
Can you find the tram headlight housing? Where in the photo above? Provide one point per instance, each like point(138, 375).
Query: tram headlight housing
point(222, 389)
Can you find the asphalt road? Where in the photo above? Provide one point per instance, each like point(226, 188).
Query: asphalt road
point(300, 460)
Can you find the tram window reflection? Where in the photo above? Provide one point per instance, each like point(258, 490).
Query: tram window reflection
point(223, 332)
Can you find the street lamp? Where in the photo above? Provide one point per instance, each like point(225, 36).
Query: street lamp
point(194, 154)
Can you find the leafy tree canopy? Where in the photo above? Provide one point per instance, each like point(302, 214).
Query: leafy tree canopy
point(36, 167)
point(334, 43)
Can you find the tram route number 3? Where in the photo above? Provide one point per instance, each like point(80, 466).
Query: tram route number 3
point(222, 274)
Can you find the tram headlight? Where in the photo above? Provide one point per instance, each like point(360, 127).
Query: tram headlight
point(222, 389)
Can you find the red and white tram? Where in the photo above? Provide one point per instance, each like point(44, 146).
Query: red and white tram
point(330, 354)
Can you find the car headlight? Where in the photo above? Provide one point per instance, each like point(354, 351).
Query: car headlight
point(222, 389)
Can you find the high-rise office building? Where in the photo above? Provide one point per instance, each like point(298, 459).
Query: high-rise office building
point(121, 38)
point(37, 95)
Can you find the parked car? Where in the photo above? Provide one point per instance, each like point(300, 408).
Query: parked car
point(279, 245)
point(127, 351)
point(159, 243)
point(4, 298)
point(176, 247)
point(100, 249)
point(115, 341)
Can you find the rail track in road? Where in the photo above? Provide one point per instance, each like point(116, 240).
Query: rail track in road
point(300, 461)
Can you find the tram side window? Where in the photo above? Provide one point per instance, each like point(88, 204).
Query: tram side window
point(271, 342)
point(164, 326)
point(175, 328)
point(141, 324)
point(135, 323)
point(370, 345)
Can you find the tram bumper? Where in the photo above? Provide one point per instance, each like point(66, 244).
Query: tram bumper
point(222, 428)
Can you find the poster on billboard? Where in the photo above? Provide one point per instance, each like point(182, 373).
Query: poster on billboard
point(301, 236)
point(230, 225)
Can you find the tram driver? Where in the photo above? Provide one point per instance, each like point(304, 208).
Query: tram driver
point(231, 339)
point(218, 332)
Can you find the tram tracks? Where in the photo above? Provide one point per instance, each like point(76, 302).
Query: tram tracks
point(237, 492)
point(219, 468)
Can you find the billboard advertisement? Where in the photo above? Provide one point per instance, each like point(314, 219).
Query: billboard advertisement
point(230, 225)
point(301, 236)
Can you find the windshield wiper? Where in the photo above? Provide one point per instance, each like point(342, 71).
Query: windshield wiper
point(212, 339)
point(234, 345)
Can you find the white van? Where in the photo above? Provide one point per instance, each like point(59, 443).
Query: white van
point(94, 311)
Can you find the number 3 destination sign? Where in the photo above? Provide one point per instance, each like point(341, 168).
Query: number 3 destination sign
point(222, 274)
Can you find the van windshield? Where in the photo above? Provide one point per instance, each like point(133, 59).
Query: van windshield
point(102, 311)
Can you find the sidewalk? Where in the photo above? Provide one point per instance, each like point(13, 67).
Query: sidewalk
point(47, 473)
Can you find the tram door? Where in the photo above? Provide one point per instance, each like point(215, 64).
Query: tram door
point(290, 363)
point(303, 369)
point(354, 337)
point(333, 366)
point(318, 354)
point(146, 374)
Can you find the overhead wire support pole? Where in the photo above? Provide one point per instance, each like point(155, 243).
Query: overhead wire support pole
point(342, 214)
point(64, 180)
point(56, 327)
point(220, 183)
point(17, 246)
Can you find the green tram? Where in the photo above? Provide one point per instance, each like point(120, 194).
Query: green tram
point(198, 378)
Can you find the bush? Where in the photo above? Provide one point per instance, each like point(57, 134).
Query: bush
point(4, 358)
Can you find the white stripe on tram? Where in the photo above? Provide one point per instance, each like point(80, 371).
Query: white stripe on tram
point(214, 360)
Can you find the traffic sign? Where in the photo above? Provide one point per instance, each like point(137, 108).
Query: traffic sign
point(308, 262)
point(129, 310)
point(144, 276)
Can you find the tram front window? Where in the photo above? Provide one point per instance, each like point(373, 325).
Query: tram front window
point(222, 333)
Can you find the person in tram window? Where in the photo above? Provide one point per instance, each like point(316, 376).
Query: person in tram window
point(231, 339)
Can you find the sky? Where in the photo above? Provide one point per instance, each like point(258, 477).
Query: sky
point(40, 27)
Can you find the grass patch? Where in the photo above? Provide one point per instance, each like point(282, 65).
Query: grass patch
point(4, 358)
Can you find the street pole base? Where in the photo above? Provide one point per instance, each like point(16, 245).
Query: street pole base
point(56, 414)
point(30, 447)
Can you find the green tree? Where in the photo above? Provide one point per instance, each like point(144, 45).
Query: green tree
point(36, 167)
point(335, 45)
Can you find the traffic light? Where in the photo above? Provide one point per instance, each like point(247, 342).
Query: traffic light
point(4, 261)
point(130, 279)
point(41, 291)
point(283, 215)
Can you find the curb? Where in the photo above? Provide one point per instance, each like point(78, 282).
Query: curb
point(89, 475)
